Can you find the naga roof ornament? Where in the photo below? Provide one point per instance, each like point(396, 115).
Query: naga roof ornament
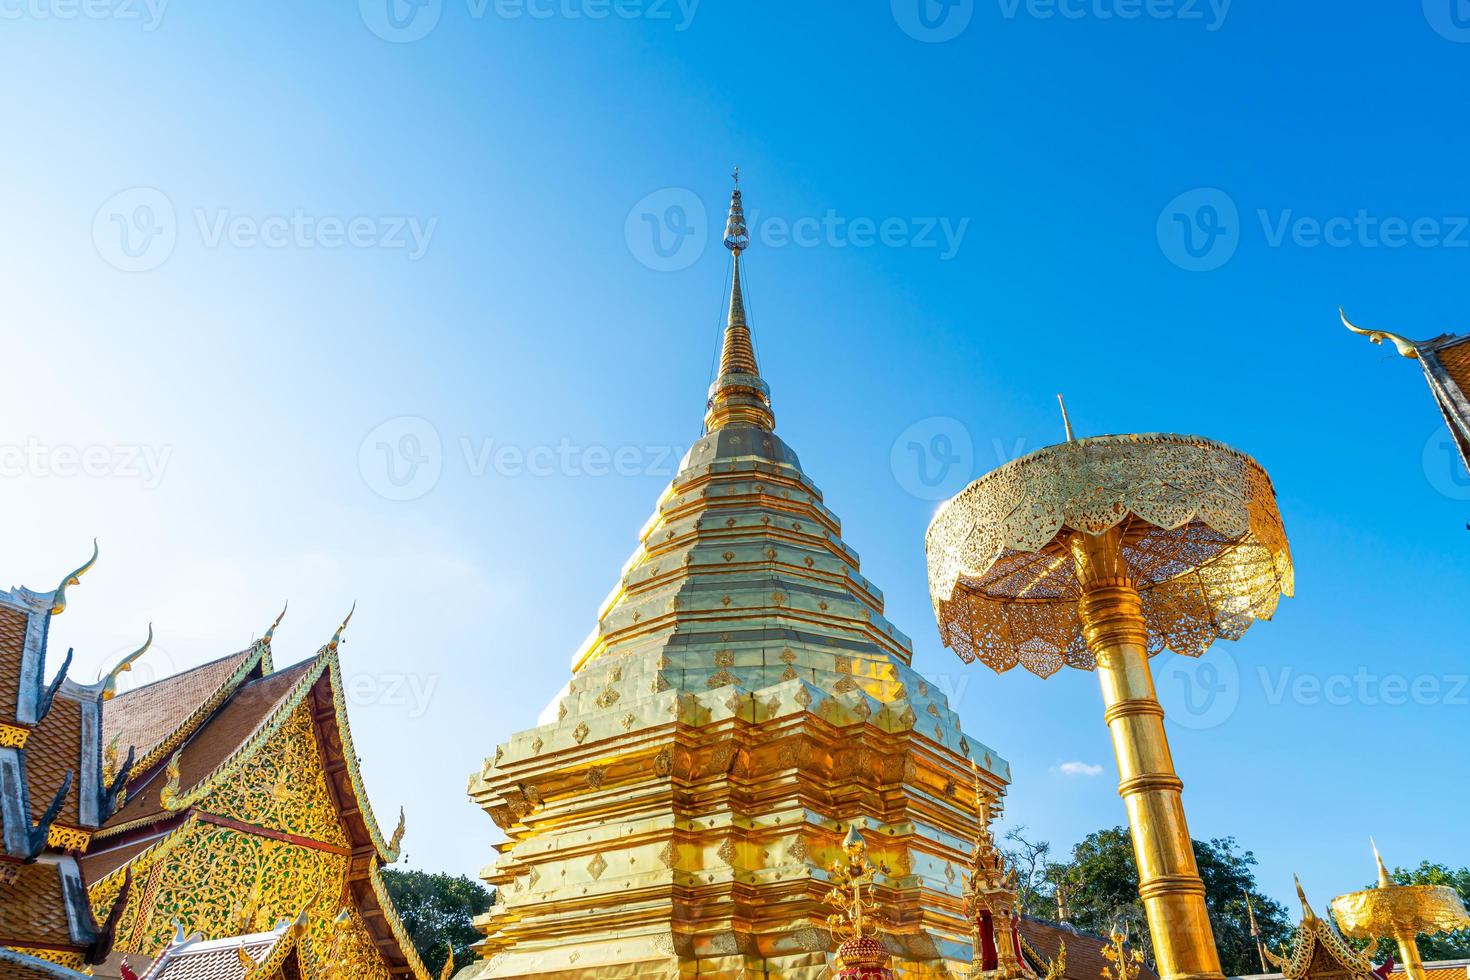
point(109, 686)
point(58, 602)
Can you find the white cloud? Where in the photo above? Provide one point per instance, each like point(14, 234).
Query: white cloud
point(1078, 769)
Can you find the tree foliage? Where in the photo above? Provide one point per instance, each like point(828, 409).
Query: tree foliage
point(438, 911)
point(1100, 885)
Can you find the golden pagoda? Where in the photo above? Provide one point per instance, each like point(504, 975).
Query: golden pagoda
point(740, 705)
point(246, 830)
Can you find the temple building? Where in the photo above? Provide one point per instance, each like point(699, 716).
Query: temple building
point(54, 796)
point(1320, 952)
point(1446, 363)
point(246, 826)
point(231, 841)
point(741, 705)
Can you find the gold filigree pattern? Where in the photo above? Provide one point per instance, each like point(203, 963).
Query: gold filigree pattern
point(281, 786)
point(68, 838)
point(1203, 542)
point(13, 736)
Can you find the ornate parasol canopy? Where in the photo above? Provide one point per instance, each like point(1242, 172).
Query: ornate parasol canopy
point(1202, 540)
point(1395, 911)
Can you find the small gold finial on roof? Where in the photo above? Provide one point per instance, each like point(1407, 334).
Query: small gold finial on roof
point(271, 633)
point(1066, 420)
point(448, 970)
point(109, 686)
point(1406, 347)
point(337, 636)
point(58, 601)
point(1307, 912)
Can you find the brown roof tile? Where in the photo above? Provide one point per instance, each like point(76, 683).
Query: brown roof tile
point(53, 749)
point(145, 716)
point(12, 647)
point(1084, 950)
point(224, 732)
point(33, 908)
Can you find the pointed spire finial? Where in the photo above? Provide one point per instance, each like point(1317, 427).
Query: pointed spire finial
point(1066, 420)
point(739, 395)
point(1307, 912)
point(58, 602)
point(1384, 881)
point(737, 236)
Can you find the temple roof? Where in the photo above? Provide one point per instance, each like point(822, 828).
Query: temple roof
point(218, 741)
point(156, 718)
point(1446, 363)
point(268, 954)
point(1085, 959)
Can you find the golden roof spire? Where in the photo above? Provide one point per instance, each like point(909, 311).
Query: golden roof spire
point(739, 395)
point(1307, 913)
point(1066, 419)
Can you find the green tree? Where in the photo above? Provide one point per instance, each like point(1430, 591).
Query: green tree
point(438, 910)
point(1101, 886)
point(1446, 946)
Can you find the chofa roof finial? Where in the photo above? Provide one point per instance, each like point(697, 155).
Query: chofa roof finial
point(337, 636)
point(58, 602)
point(109, 686)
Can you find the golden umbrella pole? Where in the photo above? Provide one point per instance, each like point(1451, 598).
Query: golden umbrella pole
point(1402, 913)
point(1097, 553)
point(1168, 880)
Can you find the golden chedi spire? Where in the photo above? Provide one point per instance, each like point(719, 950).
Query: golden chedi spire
point(739, 396)
point(740, 703)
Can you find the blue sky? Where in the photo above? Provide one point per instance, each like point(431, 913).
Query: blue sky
point(249, 246)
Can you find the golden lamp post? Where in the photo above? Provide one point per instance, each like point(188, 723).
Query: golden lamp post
point(1097, 553)
point(1401, 913)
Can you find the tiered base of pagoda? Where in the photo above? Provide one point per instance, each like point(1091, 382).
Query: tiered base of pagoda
point(686, 835)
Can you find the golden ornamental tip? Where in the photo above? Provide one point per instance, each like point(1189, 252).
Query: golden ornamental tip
point(1066, 420)
point(1307, 912)
point(58, 601)
point(1384, 881)
point(109, 686)
point(448, 970)
point(1408, 348)
point(270, 634)
point(337, 636)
